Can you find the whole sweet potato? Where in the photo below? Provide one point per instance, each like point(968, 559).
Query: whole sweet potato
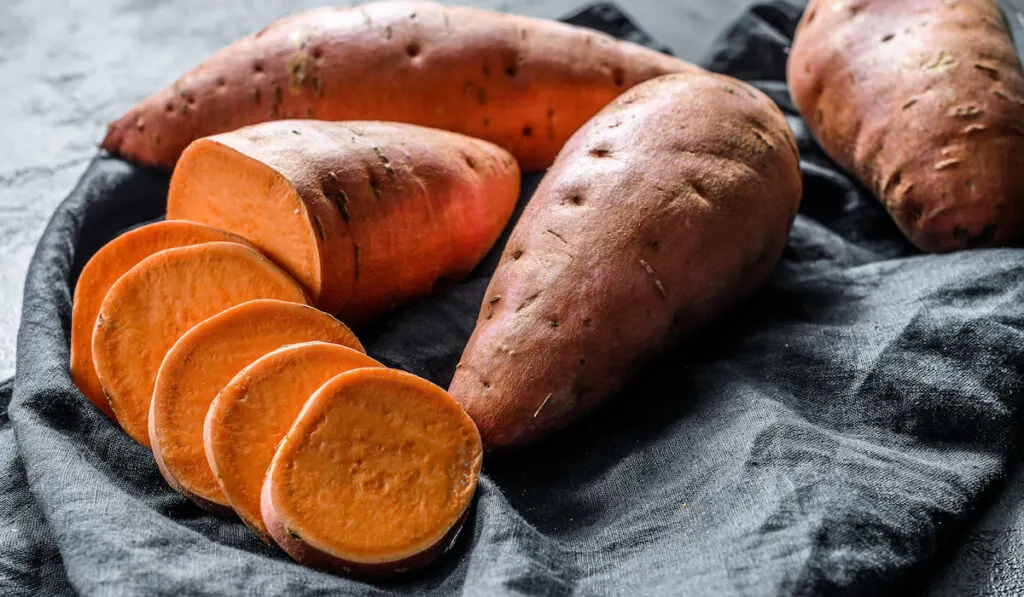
point(668, 207)
point(366, 215)
point(525, 84)
point(924, 101)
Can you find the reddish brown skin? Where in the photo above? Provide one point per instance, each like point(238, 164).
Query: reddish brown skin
point(420, 204)
point(924, 101)
point(525, 84)
point(632, 240)
point(306, 555)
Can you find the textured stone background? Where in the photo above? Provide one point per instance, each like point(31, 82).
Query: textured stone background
point(67, 67)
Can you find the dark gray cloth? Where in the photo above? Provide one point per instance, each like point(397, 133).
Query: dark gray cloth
point(827, 437)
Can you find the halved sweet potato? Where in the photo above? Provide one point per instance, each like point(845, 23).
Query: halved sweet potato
point(252, 414)
point(161, 298)
point(99, 274)
point(376, 475)
point(201, 363)
point(366, 215)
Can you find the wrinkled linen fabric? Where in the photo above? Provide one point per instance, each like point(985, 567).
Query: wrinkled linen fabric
point(829, 436)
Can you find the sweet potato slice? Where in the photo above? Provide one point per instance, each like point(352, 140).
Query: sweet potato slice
point(161, 298)
point(525, 84)
point(99, 274)
point(201, 363)
point(375, 476)
point(252, 414)
point(366, 215)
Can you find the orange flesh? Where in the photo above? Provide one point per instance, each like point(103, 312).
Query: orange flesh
point(161, 298)
point(203, 361)
point(379, 466)
point(99, 274)
point(213, 182)
point(254, 411)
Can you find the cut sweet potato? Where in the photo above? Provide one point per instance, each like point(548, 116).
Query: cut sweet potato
point(161, 298)
point(525, 84)
point(666, 209)
point(99, 274)
point(924, 101)
point(201, 363)
point(254, 411)
point(366, 215)
point(375, 476)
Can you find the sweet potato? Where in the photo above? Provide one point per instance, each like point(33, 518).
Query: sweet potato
point(252, 414)
point(201, 363)
point(525, 84)
point(366, 215)
point(99, 274)
point(923, 100)
point(161, 298)
point(376, 475)
point(665, 209)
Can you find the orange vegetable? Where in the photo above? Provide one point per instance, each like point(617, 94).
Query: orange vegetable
point(252, 414)
point(525, 84)
point(99, 274)
point(161, 298)
point(201, 363)
point(366, 215)
point(376, 475)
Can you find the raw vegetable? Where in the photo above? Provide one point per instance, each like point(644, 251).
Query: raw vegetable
point(376, 475)
point(252, 414)
point(161, 298)
point(665, 210)
point(201, 363)
point(525, 84)
point(99, 274)
point(924, 101)
point(366, 215)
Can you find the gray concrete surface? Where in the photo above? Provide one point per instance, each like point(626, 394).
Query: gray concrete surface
point(67, 67)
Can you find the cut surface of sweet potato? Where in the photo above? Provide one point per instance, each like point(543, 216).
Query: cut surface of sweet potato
point(103, 269)
point(161, 298)
point(375, 476)
point(252, 414)
point(201, 363)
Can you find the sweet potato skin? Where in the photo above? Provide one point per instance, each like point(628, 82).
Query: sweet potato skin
point(632, 240)
point(391, 207)
point(525, 84)
point(924, 101)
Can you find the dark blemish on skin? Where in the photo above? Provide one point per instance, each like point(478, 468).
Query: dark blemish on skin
point(517, 254)
point(481, 96)
point(583, 362)
point(587, 323)
point(387, 32)
point(522, 33)
point(888, 37)
point(384, 161)
point(317, 53)
point(469, 162)
point(374, 186)
point(487, 70)
point(486, 384)
point(319, 227)
point(527, 131)
point(412, 50)
point(486, 122)
point(191, 99)
point(295, 132)
point(993, 73)
point(339, 196)
point(495, 299)
point(221, 81)
point(599, 153)
point(257, 66)
point(655, 244)
point(511, 71)
point(556, 235)
point(169, 107)
point(764, 139)
point(619, 75)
